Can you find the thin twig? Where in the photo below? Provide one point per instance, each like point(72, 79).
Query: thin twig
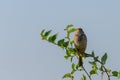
point(104, 69)
point(69, 39)
point(87, 73)
point(106, 72)
point(89, 55)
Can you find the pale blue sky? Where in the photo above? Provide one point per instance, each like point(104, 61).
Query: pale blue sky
point(24, 56)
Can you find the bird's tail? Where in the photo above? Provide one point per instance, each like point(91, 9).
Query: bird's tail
point(80, 62)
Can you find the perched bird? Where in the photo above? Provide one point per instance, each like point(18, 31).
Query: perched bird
point(80, 41)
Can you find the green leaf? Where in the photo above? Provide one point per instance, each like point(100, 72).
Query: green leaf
point(47, 33)
point(73, 71)
point(68, 52)
point(101, 68)
point(72, 42)
point(68, 26)
point(72, 30)
point(93, 72)
point(77, 66)
point(83, 77)
point(94, 69)
point(108, 70)
point(66, 44)
point(60, 42)
point(42, 32)
point(68, 35)
point(73, 66)
point(115, 73)
point(66, 57)
point(104, 58)
point(96, 58)
point(71, 58)
point(93, 54)
point(92, 63)
point(68, 75)
point(52, 38)
point(119, 74)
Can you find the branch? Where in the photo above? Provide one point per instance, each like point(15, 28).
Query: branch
point(104, 69)
point(90, 55)
point(87, 73)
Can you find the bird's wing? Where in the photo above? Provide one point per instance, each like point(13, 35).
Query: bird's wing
point(81, 37)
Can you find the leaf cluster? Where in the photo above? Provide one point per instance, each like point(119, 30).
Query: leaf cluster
point(97, 63)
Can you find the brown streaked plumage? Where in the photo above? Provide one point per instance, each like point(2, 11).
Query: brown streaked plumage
point(80, 41)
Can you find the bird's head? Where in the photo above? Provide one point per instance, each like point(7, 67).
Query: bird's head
point(79, 30)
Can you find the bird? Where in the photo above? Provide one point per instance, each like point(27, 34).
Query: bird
point(80, 42)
